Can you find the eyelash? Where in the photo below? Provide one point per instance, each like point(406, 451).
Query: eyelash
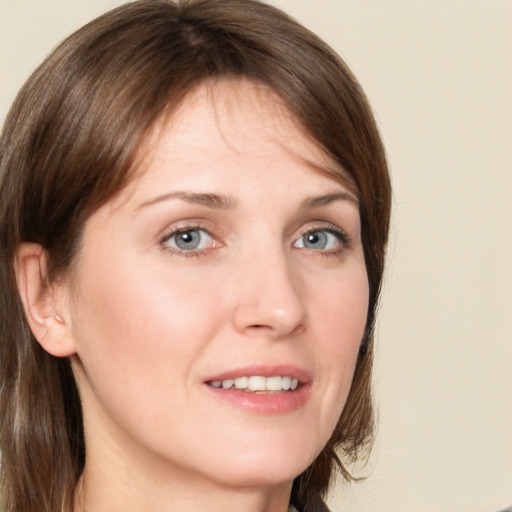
point(340, 234)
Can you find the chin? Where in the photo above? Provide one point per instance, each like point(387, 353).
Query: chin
point(267, 476)
point(270, 467)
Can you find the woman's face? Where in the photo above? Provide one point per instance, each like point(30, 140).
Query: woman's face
point(219, 301)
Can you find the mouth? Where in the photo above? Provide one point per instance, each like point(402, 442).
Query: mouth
point(262, 389)
point(258, 384)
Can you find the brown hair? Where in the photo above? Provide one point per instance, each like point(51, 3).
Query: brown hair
point(69, 144)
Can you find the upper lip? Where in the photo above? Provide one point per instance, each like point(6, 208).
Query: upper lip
point(264, 370)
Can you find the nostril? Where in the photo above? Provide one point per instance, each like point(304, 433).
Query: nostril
point(261, 327)
point(269, 330)
point(263, 319)
point(262, 330)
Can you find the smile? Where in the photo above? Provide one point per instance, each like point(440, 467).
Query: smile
point(262, 389)
point(258, 383)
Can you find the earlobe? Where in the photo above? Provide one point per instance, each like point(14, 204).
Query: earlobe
point(45, 308)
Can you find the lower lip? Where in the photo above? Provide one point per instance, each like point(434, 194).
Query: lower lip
point(264, 403)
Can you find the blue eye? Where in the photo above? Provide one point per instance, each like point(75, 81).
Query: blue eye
point(189, 240)
point(320, 240)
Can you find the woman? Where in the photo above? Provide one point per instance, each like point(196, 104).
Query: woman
point(194, 208)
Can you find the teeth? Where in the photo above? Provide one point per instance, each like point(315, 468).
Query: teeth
point(228, 383)
point(242, 383)
point(274, 384)
point(258, 383)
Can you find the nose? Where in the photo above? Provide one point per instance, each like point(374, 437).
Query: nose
point(269, 299)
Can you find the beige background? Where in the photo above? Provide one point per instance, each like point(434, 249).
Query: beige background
point(439, 74)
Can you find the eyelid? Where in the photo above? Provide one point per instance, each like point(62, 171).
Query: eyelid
point(180, 227)
point(325, 226)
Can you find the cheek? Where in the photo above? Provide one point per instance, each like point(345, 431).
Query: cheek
point(340, 312)
point(132, 325)
point(138, 339)
point(339, 308)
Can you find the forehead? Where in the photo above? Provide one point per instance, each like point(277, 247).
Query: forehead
point(236, 119)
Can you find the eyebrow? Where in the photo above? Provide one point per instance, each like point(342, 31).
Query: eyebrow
point(315, 202)
point(214, 201)
point(223, 202)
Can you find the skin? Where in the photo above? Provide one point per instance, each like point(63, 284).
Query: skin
point(146, 322)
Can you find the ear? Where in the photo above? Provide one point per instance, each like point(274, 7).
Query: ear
point(45, 304)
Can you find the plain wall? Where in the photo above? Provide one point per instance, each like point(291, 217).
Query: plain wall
point(439, 75)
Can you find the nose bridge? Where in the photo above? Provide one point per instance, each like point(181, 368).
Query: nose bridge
point(269, 301)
